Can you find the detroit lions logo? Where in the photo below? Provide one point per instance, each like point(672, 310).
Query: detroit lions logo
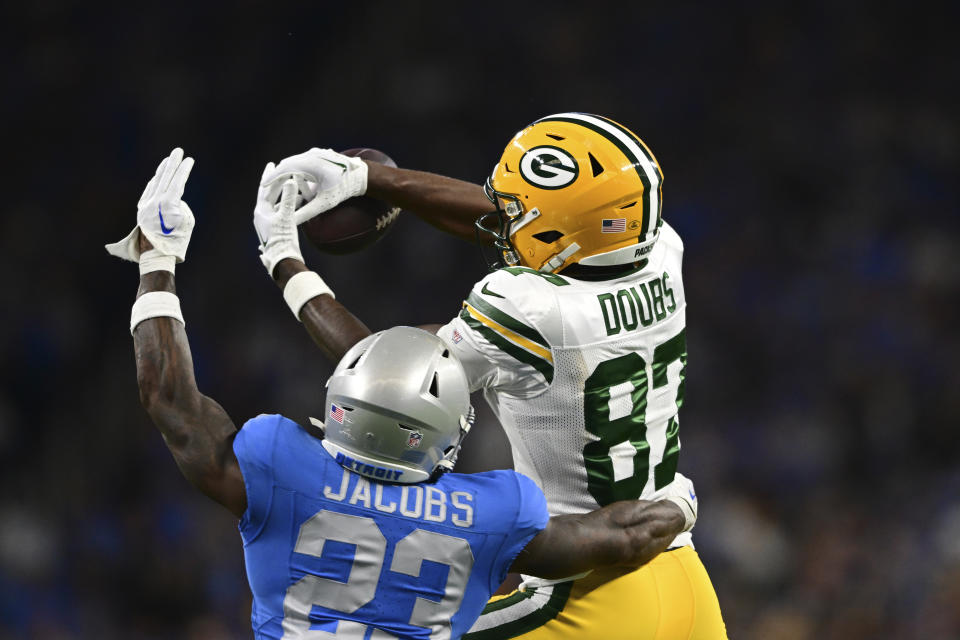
point(548, 167)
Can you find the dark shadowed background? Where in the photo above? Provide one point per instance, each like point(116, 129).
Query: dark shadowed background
point(811, 153)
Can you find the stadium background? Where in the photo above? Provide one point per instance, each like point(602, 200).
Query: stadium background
point(811, 155)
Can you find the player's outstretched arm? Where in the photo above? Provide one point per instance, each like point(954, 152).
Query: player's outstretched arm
point(196, 429)
point(448, 204)
point(328, 322)
point(198, 432)
point(627, 533)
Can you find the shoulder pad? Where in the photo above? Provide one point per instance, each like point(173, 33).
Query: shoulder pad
point(522, 300)
point(669, 236)
point(257, 434)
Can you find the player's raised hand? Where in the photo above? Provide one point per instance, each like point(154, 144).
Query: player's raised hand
point(275, 222)
point(325, 179)
point(162, 217)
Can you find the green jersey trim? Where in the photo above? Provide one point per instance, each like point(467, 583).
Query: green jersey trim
point(511, 346)
point(527, 621)
point(506, 320)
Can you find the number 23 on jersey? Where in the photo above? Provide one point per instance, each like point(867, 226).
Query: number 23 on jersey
point(365, 574)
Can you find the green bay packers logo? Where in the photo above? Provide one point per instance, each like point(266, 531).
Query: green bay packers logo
point(548, 167)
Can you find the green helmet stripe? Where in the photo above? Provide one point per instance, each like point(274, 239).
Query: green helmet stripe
point(637, 158)
point(649, 156)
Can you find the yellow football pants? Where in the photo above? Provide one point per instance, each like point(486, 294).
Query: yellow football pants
point(670, 598)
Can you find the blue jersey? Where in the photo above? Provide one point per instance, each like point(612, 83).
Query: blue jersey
point(332, 554)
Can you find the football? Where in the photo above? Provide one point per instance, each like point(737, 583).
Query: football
point(355, 223)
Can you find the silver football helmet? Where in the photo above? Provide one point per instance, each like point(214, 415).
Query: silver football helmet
point(398, 407)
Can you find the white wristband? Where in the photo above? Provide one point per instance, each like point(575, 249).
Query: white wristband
point(689, 513)
point(156, 304)
point(302, 288)
point(153, 260)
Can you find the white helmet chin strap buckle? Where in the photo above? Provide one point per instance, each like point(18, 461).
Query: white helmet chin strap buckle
point(557, 261)
point(450, 459)
point(527, 218)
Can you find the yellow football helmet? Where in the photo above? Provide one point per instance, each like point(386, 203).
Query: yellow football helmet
point(574, 188)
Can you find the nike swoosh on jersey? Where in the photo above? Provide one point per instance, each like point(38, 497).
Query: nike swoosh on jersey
point(488, 292)
point(166, 231)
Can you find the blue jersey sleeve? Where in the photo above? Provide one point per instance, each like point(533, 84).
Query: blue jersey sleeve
point(254, 447)
point(531, 519)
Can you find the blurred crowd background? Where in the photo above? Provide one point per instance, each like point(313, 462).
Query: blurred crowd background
point(811, 153)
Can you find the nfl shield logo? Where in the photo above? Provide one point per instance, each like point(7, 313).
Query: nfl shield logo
point(414, 439)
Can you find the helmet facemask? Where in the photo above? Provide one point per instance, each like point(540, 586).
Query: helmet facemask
point(497, 224)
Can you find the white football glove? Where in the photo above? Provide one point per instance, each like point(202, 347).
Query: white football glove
point(162, 216)
point(681, 493)
point(276, 222)
point(325, 179)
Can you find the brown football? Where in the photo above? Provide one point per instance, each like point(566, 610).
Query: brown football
point(355, 223)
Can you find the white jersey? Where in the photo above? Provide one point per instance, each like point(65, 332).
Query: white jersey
point(586, 377)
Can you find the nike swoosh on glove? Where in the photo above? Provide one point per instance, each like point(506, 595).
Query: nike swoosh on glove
point(162, 216)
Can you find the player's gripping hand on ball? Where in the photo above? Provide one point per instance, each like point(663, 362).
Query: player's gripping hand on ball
point(308, 296)
point(327, 179)
point(162, 217)
point(324, 177)
point(275, 222)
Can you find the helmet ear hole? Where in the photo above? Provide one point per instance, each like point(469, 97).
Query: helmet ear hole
point(548, 237)
point(595, 165)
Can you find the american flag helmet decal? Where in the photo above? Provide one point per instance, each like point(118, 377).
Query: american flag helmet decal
point(616, 225)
